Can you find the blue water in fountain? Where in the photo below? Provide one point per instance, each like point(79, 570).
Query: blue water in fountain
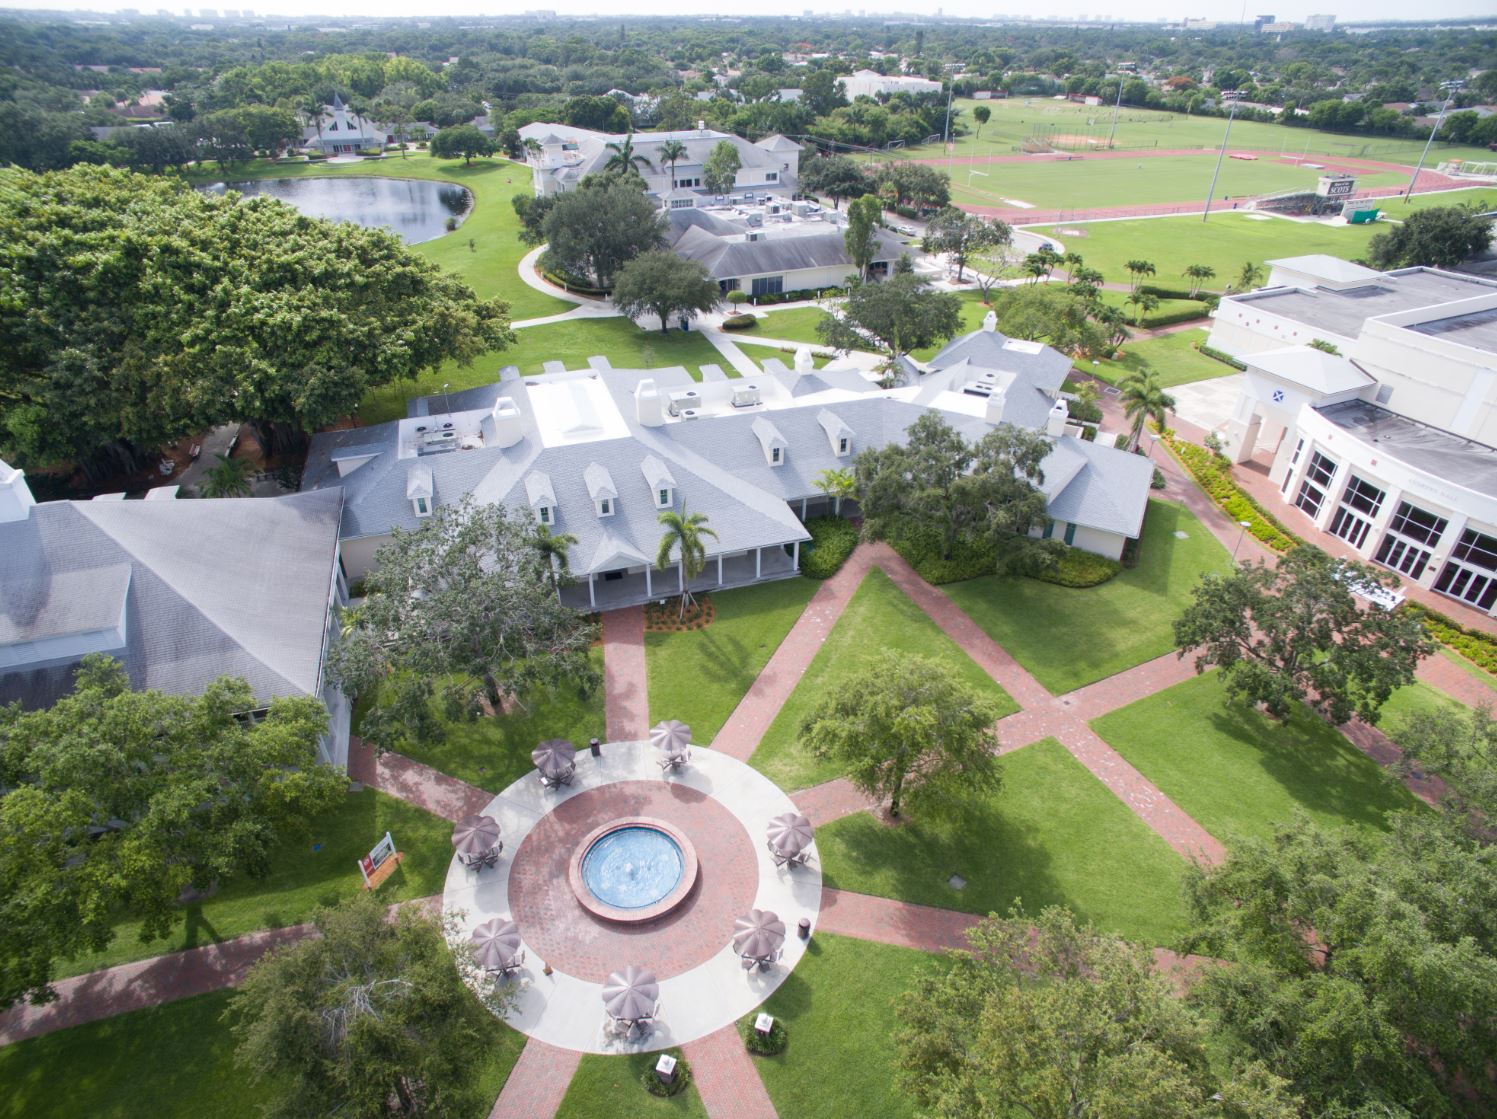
point(633, 867)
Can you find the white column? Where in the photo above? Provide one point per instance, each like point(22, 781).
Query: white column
point(592, 599)
point(758, 562)
point(649, 590)
point(681, 573)
point(803, 508)
point(795, 556)
point(719, 569)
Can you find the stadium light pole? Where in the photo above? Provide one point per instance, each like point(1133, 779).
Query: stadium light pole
point(1450, 89)
point(1220, 156)
point(1113, 131)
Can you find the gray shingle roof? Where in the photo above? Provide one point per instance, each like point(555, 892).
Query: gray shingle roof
point(725, 259)
point(208, 588)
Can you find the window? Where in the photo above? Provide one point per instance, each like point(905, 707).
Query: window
point(776, 455)
point(688, 183)
point(1411, 534)
point(543, 514)
point(843, 445)
point(1070, 533)
point(663, 498)
point(772, 177)
point(1312, 490)
point(1293, 462)
point(423, 507)
point(1417, 524)
point(605, 507)
point(682, 203)
point(768, 285)
point(1471, 574)
point(1359, 505)
point(726, 286)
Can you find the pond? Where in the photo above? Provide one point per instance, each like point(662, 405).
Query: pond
point(415, 209)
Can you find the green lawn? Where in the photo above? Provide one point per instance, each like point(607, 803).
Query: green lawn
point(609, 1088)
point(879, 617)
point(618, 339)
point(1172, 356)
point(1167, 308)
point(838, 1006)
point(798, 324)
point(306, 872)
point(1224, 243)
point(168, 1062)
point(973, 312)
point(492, 753)
point(1068, 637)
point(761, 350)
point(700, 675)
point(1471, 670)
point(1053, 835)
point(1240, 774)
point(490, 265)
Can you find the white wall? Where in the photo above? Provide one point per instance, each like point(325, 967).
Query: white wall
point(358, 555)
point(1245, 327)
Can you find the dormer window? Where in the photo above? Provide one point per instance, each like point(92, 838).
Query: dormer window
point(844, 445)
point(419, 490)
point(770, 441)
point(605, 507)
point(776, 456)
point(601, 488)
point(543, 514)
point(423, 507)
point(662, 483)
point(838, 434)
point(663, 499)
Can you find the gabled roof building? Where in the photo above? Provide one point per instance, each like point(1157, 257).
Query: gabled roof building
point(598, 454)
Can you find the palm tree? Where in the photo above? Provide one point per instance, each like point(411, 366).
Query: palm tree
point(1144, 400)
point(552, 548)
point(228, 477)
point(672, 152)
point(624, 160)
point(1198, 274)
point(685, 531)
point(533, 148)
point(1143, 302)
point(1072, 261)
point(837, 482)
point(1138, 269)
point(1249, 277)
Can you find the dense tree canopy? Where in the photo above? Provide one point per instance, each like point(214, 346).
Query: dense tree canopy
point(369, 1018)
point(118, 801)
point(961, 236)
point(138, 310)
point(595, 230)
point(1296, 632)
point(663, 284)
point(1438, 238)
point(896, 315)
point(466, 602)
point(462, 140)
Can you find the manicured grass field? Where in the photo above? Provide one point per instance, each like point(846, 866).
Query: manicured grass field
point(838, 1006)
point(757, 349)
point(609, 1087)
point(700, 675)
point(798, 324)
point(880, 617)
point(1168, 308)
point(492, 753)
point(490, 265)
point(618, 339)
point(306, 872)
point(1240, 774)
point(1068, 637)
point(168, 1062)
point(1052, 835)
point(1224, 243)
point(1173, 357)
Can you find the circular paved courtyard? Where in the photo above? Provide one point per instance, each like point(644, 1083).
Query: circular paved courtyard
point(723, 807)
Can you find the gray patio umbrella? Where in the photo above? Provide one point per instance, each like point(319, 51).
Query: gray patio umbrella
point(631, 993)
point(475, 835)
point(790, 833)
point(554, 756)
point(495, 943)
point(671, 737)
point(758, 934)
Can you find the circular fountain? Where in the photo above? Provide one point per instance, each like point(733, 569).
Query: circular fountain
point(633, 870)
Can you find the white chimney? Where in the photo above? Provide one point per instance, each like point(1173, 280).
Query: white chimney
point(702, 126)
point(15, 495)
point(990, 321)
point(509, 426)
point(648, 408)
point(804, 362)
point(996, 401)
point(1055, 423)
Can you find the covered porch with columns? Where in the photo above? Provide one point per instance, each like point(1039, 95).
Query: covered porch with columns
point(636, 585)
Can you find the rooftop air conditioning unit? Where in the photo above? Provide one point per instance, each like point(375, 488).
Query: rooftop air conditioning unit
point(746, 396)
point(689, 413)
point(754, 219)
point(687, 398)
point(754, 236)
point(979, 388)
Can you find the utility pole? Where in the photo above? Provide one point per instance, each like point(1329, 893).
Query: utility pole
point(1113, 131)
point(1221, 155)
point(946, 136)
point(1450, 89)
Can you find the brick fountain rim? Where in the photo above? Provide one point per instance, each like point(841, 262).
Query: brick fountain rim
point(601, 909)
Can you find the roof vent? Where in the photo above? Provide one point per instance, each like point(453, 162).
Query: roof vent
point(689, 413)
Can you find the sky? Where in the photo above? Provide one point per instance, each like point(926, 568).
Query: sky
point(1114, 9)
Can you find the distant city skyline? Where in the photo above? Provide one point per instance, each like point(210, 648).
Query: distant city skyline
point(1140, 10)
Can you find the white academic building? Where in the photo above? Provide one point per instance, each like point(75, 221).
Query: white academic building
point(1388, 444)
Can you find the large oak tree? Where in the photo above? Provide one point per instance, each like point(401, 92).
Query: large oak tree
point(137, 310)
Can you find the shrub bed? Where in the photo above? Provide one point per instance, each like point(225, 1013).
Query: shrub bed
point(795, 296)
point(657, 1087)
point(832, 541)
point(1189, 314)
point(1477, 647)
point(1074, 567)
point(739, 322)
point(757, 1043)
point(921, 548)
point(1217, 355)
point(666, 617)
point(1213, 475)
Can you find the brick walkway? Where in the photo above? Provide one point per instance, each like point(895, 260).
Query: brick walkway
point(626, 682)
point(832, 800)
point(537, 1083)
point(1454, 681)
point(726, 1078)
point(411, 781)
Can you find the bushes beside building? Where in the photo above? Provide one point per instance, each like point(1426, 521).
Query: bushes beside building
point(1214, 475)
point(832, 541)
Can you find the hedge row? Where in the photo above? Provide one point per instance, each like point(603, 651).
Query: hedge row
point(1213, 474)
point(572, 283)
point(1152, 322)
point(1074, 567)
point(1477, 647)
point(796, 296)
point(832, 541)
point(920, 545)
point(739, 322)
point(1218, 355)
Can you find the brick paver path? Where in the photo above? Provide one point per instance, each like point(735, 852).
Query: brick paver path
point(537, 1083)
point(1455, 681)
point(821, 804)
point(626, 682)
point(411, 781)
point(726, 1078)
